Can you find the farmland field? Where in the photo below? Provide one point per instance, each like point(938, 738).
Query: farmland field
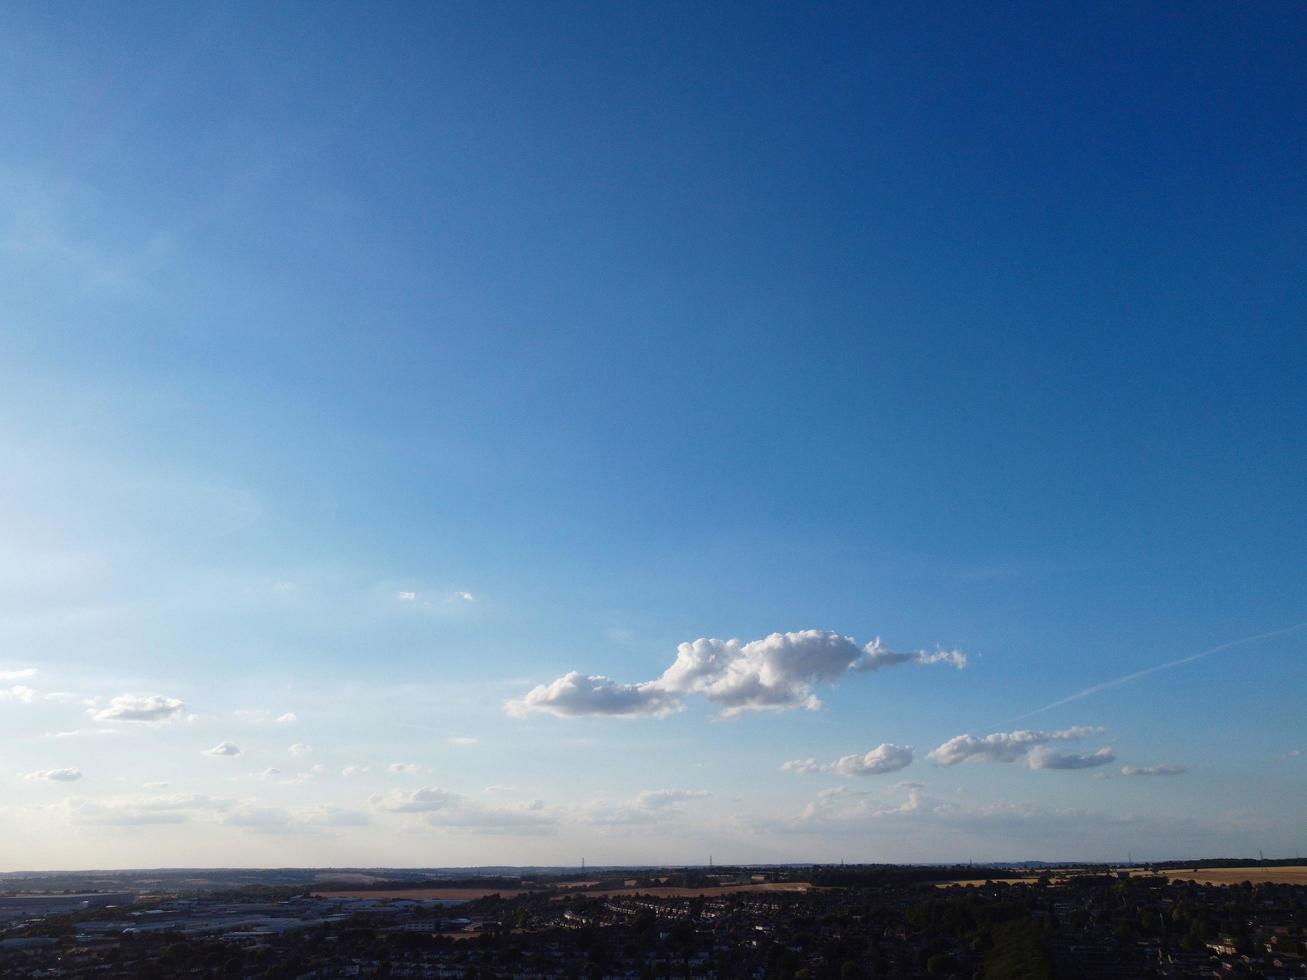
point(1286, 875)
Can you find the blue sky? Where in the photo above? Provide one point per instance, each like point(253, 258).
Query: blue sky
point(373, 369)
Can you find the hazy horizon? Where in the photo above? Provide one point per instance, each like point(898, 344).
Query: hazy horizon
point(504, 433)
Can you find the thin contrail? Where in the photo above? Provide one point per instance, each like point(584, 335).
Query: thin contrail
point(1127, 678)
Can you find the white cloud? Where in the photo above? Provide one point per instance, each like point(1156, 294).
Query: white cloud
point(1003, 746)
point(155, 785)
point(778, 672)
point(446, 809)
point(229, 749)
point(270, 773)
point(76, 732)
point(69, 775)
point(299, 748)
point(128, 707)
point(1161, 769)
point(876, 656)
point(330, 815)
point(17, 675)
point(354, 770)
point(804, 766)
point(404, 767)
point(18, 692)
point(656, 799)
point(583, 694)
point(263, 716)
point(423, 800)
point(251, 815)
point(464, 741)
point(1292, 754)
point(67, 697)
point(648, 807)
point(465, 596)
point(1043, 757)
point(138, 811)
point(886, 757)
point(406, 596)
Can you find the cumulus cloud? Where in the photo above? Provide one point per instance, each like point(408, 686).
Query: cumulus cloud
point(1043, 757)
point(1003, 746)
point(230, 749)
point(1161, 769)
point(18, 692)
point(289, 718)
point(354, 770)
point(586, 694)
point(153, 709)
point(778, 672)
point(21, 673)
point(886, 757)
point(69, 775)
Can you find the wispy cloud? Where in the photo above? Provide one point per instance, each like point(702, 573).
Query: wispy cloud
point(68, 775)
point(1161, 769)
point(1169, 665)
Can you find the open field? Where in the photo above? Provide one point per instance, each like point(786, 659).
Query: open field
point(1288, 875)
point(1030, 879)
point(445, 894)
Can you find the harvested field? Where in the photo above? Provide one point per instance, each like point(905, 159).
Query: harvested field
point(444, 894)
point(1288, 875)
point(980, 881)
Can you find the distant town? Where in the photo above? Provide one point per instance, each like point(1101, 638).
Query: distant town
point(1211, 918)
